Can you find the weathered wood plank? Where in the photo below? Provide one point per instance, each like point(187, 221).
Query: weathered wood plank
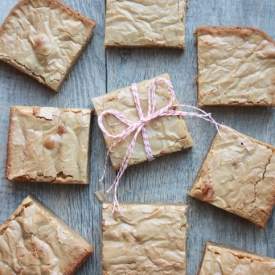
point(168, 178)
point(74, 204)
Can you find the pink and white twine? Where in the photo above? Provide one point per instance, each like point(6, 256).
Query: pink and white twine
point(140, 126)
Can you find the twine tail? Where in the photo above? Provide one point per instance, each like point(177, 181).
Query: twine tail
point(122, 169)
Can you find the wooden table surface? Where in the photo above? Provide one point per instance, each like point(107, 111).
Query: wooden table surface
point(166, 179)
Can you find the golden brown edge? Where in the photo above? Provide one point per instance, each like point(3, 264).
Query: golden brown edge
point(248, 105)
point(72, 268)
point(108, 203)
point(9, 161)
point(203, 255)
point(214, 30)
point(122, 46)
point(201, 168)
point(103, 230)
point(25, 177)
point(71, 11)
point(198, 73)
point(89, 153)
point(261, 224)
point(272, 148)
point(237, 251)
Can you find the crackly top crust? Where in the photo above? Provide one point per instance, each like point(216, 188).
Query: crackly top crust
point(220, 259)
point(34, 241)
point(147, 23)
point(48, 144)
point(238, 180)
point(144, 239)
point(166, 134)
point(236, 66)
point(44, 38)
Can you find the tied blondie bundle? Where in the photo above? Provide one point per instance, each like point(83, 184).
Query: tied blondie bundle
point(139, 126)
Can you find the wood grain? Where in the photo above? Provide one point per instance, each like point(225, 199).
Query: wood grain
point(166, 179)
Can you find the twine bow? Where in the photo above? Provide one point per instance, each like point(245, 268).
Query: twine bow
point(136, 127)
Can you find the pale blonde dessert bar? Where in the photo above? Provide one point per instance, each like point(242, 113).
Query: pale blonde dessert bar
point(166, 134)
point(48, 145)
point(151, 23)
point(237, 179)
point(44, 38)
point(35, 241)
point(144, 239)
point(236, 66)
point(220, 260)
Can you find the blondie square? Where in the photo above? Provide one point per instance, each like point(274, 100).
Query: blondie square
point(34, 241)
point(44, 38)
point(144, 239)
point(236, 66)
point(166, 134)
point(150, 23)
point(237, 177)
point(48, 145)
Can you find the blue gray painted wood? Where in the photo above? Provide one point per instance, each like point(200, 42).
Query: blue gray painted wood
point(166, 179)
